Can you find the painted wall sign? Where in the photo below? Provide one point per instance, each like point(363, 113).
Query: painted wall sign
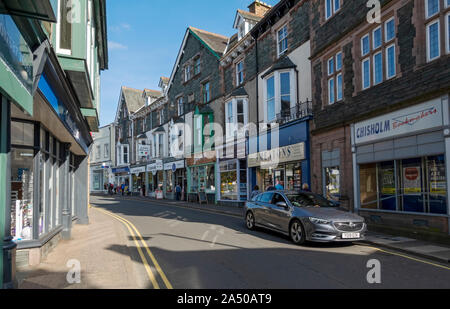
point(416, 118)
point(279, 155)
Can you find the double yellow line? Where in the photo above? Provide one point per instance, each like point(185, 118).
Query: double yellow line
point(140, 243)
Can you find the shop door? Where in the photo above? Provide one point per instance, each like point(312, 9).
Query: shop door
point(279, 180)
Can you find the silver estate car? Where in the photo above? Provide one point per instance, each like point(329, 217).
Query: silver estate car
point(304, 216)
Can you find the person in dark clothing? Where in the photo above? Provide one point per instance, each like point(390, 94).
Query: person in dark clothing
point(178, 192)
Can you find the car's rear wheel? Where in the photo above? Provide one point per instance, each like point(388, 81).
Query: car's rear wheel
point(250, 220)
point(297, 232)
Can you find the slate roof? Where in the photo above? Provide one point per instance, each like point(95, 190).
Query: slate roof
point(250, 15)
point(282, 63)
point(218, 43)
point(133, 99)
point(153, 93)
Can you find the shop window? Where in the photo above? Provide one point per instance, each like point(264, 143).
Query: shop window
point(417, 185)
point(22, 133)
point(293, 177)
point(368, 186)
point(22, 188)
point(169, 181)
point(228, 181)
point(332, 183)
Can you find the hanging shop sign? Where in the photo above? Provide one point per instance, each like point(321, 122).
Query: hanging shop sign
point(406, 121)
point(138, 170)
point(277, 156)
point(143, 150)
point(173, 166)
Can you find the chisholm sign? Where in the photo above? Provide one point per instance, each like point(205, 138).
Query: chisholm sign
point(413, 119)
point(273, 157)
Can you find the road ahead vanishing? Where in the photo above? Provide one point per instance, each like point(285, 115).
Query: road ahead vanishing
point(183, 248)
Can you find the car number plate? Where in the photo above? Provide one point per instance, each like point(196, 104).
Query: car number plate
point(351, 235)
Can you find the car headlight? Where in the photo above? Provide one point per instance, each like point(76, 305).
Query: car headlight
point(318, 221)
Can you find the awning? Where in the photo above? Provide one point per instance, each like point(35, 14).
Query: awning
point(41, 9)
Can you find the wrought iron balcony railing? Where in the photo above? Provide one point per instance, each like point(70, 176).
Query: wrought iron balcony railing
point(299, 111)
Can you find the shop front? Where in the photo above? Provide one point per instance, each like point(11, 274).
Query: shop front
point(174, 175)
point(100, 178)
point(138, 182)
point(155, 172)
point(401, 165)
point(122, 176)
point(201, 178)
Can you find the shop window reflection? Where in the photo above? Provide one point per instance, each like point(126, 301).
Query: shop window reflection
point(22, 188)
point(368, 186)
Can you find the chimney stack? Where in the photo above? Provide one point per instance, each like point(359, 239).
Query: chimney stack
point(259, 8)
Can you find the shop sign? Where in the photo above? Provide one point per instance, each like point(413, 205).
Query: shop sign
point(276, 156)
point(138, 170)
point(153, 168)
point(144, 150)
point(121, 170)
point(416, 118)
point(173, 166)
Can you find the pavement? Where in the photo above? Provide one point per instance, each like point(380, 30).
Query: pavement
point(419, 248)
point(102, 250)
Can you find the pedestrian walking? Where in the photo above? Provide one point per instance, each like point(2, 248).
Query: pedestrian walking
point(178, 190)
point(279, 186)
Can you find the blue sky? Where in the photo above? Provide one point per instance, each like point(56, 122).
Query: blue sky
point(145, 36)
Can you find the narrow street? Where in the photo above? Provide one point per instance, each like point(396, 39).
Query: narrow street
point(194, 249)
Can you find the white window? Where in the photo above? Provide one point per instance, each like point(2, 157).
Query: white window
point(236, 115)
point(187, 73)
point(366, 73)
point(377, 38)
point(125, 154)
point(97, 153)
point(335, 85)
point(239, 73)
point(331, 91)
point(279, 94)
point(270, 101)
point(64, 27)
point(180, 106)
point(197, 68)
point(106, 152)
point(365, 45)
point(339, 95)
point(282, 40)
point(377, 68)
point(390, 61)
point(160, 145)
point(331, 66)
point(332, 7)
point(431, 8)
point(389, 29)
point(433, 41)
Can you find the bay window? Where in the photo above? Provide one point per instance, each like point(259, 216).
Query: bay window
point(236, 115)
point(279, 94)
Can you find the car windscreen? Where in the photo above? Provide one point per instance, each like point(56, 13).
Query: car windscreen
point(309, 200)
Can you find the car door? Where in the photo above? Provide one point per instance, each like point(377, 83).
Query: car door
point(263, 209)
point(280, 216)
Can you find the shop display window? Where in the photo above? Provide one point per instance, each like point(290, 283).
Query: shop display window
point(22, 188)
point(228, 181)
point(332, 183)
point(417, 185)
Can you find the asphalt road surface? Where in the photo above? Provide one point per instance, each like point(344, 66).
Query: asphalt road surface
point(201, 250)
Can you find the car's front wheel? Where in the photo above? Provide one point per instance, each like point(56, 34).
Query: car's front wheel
point(297, 233)
point(250, 220)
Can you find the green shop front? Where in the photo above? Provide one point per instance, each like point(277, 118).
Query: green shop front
point(201, 178)
point(22, 42)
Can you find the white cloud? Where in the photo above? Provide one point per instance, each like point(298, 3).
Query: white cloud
point(116, 46)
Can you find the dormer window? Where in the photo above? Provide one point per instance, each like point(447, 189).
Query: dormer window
point(242, 30)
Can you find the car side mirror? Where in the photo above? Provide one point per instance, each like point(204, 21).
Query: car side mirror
point(282, 205)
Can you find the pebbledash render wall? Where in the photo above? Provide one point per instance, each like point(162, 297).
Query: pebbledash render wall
point(416, 81)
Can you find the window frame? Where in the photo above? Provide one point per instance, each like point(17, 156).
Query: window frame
point(447, 31)
point(386, 40)
point(367, 59)
point(387, 61)
point(427, 28)
point(240, 73)
point(282, 52)
point(375, 83)
point(277, 92)
point(362, 45)
point(59, 50)
point(426, 9)
point(373, 38)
